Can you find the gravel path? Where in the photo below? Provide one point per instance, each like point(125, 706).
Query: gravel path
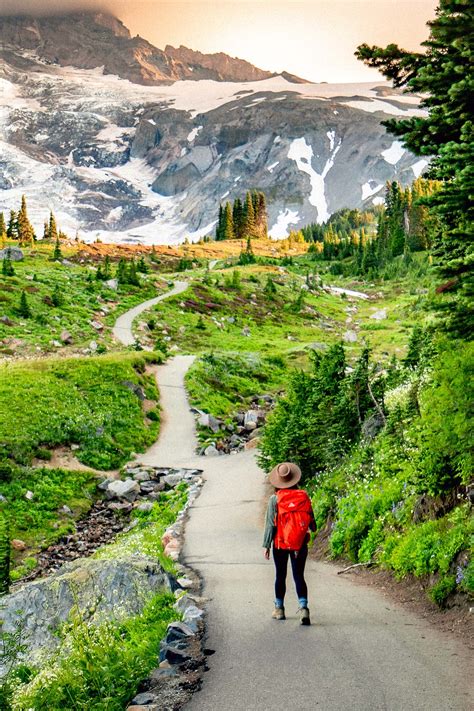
point(362, 652)
point(122, 330)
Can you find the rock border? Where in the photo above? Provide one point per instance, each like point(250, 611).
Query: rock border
point(182, 658)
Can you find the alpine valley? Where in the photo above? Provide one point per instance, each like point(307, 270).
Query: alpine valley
point(134, 144)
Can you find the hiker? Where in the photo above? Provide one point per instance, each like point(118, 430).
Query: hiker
point(288, 520)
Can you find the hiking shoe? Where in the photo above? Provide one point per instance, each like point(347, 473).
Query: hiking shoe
point(279, 613)
point(304, 616)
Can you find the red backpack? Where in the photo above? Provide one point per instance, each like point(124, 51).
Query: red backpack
point(293, 517)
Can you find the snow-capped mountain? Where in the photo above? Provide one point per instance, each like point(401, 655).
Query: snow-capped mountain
point(86, 134)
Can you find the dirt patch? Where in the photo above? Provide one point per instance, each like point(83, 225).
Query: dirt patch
point(64, 458)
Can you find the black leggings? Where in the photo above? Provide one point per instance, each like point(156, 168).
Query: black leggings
point(298, 562)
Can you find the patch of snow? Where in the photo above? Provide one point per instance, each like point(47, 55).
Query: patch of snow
point(277, 139)
point(41, 137)
point(332, 136)
point(376, 105)
point(192, 134)
point(272, 166)
point(237, 179)
point(348, 292)
point(113, 133)
point(393, 154)
point(285, 218)
point(225, 194)
point(153, 123)
point(336, 113)
point(183, 151)
point(378, 201)
point(302, 153)
point(370, 188)
point(419, 167)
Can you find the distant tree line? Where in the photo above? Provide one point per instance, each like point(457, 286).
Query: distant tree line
point(19, 227)
point(245, 219)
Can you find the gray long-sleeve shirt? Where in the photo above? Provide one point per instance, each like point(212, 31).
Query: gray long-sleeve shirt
point(270, 517)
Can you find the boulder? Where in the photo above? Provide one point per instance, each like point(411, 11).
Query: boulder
point(107, 589)
point(173, 480)
point(124, 507)
point(6, 321)
point(250, 420)
point(97, 325)
point(140, 475)
point(145, 506)
point(211, 451)
point(178, 631)
point(143, 699)
point(112, 284)
point(134, 388)
point(18, 544)
point(128, 489)
point(173, 655)
point(66, 338)
point(14, 254)
point(252, 443)
point(350, 336)
point(379, 315)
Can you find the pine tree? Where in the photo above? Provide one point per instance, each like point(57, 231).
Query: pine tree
point(57, 254)
point(57, 296)
point(249, 216)
point(262, 215)
point(107, 268)
point(121, 274)
point(7, 267)
point(12, 229)
point(52, 228)
point(25, 230)
point(45, 231)
point(3, 231)
point(442, 75)
point(133, 274)
point(238, 218)
point(228, 222)
point(220, 224)
point(24, 309)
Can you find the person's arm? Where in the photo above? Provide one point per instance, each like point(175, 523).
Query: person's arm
point(269, 524)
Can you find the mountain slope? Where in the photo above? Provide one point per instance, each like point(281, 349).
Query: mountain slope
point(127, 162)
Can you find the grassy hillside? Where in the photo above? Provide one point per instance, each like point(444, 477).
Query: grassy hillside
point(86, 402)
point(63, 295)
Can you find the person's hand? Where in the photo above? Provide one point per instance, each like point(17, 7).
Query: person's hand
point(266, 553)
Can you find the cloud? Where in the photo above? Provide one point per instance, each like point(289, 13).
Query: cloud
point(51, 7)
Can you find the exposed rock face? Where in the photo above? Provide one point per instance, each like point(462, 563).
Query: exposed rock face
point(102, 587)
point(90, 40)
point(127, 162)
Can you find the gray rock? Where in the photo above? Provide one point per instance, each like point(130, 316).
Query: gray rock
point(177, 631)
point(112, 284)
point(66, 338)
point(128, 489)
point(7, 321)
point(143, 699)
point(146, 506)
point(211, 451)
point(105, 588)
point(14, 254)
point(379, 315)
point(123, 506)
point(140, 475)
point(173, 655)
point(97, 325)
point(163, 673)
point(173, 479)
point(104, 485)
point(350, 336)
point(134, 388)
point(250, 420)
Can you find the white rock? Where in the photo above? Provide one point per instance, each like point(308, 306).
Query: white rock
point(127, 489)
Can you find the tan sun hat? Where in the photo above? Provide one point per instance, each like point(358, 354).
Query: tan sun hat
point(285, 475)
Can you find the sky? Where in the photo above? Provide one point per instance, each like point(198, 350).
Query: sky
point(314, 39)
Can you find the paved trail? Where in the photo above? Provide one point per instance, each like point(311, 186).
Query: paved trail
point(123, 326)
point(362, 652)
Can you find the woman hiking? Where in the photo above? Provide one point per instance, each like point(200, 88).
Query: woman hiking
point(288, 521)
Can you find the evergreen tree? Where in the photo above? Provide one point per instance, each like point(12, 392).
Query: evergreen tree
point(228, 224)
point(248, 216)
point(442, 75)
point(12, 229)
point(220, 224)
point(238, 218)
point(52, 228)
point(24, 308)
point(107, 268)
point(25, 230)
point(3, 231)
point(270, 289)
point(133, 274)
point(45, 231)
point(7, 267)
point(141, 266)
point(57, 254)
point(121, 274)
point(57, 296)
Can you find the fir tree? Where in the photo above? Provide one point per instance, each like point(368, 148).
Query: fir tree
point(142, 266)
point(238, 218)
point(107, 268)
point(3, 231)
point(133, 274)
point(24, 308)
point(228, 222)
point(7, 267)
point(220, 224)
point(57, 254)
point(57, 296)
point(25, 230)
point(12, 229)
point(52, 228)
point(45, 231)
point(248, 216)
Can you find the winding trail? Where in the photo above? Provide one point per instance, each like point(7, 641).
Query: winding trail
point(362, 652)
point(122, 330)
